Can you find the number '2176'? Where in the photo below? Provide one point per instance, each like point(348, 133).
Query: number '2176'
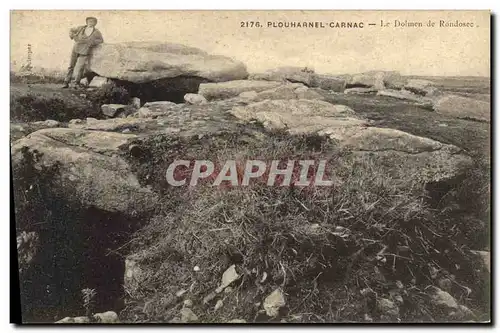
point(250, 24)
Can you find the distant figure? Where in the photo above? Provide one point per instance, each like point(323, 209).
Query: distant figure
point(86, 37)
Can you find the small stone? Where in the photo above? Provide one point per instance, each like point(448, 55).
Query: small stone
point(98, 81)
point(387, 307)
point(443, 299)
point(126, 130)
point(264, 277)
point(229, 276)
point(181, 293)
point(218, 305)
point(443, 125)
point(109, 317)
point(399, 284)
point(113, 110)
point(195, 99)
point(175, 320)
point(196, 268)
point(84, 82)
point(274, 302)
point(188, 303)
point(368, 318)
point(135, 102)
point(237, 321)
point(210, 297)
point(83, 95)
point(188, 316)
point(228, 290)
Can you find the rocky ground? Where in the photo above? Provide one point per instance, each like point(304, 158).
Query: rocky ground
point(401, 236)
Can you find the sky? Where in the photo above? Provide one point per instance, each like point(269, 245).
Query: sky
point(441, 51)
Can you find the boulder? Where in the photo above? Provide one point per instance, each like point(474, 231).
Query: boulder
point(113, 124)
point(274, 302)
point(224, 90)
point(329, 82)
point(140, 62)
point(116, 110)
point(306, 93)
point(377, 80)
point(426, 159)
point(195, 99)
point(283, 92)
point(89, 168)
point(442, 299)
point(463, 107)
point(359, 91)
point(402, 94)
point(298, 116)
point(98, 82)
point(108, 317)
point(292, 74)
point(49, 123)
point(420, 87)
point(188, 316)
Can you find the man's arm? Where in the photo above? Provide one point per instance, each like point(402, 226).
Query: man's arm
point(73, 32)
point(97, 38)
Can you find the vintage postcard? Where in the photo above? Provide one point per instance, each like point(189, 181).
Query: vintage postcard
point(251, 166)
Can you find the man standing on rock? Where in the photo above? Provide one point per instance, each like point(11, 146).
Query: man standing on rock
point(86, 37)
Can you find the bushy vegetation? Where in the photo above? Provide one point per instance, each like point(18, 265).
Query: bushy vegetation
point(325, 247)
point(109, 93)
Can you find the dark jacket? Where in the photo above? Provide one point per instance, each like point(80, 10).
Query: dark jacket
point(84, 44)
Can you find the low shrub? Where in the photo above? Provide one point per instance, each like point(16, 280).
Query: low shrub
point(109, 93)
point(37, 107)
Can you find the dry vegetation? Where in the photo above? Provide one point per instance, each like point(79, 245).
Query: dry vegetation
point(333, 250)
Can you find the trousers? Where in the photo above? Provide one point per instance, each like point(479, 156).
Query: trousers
point(77, 65)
